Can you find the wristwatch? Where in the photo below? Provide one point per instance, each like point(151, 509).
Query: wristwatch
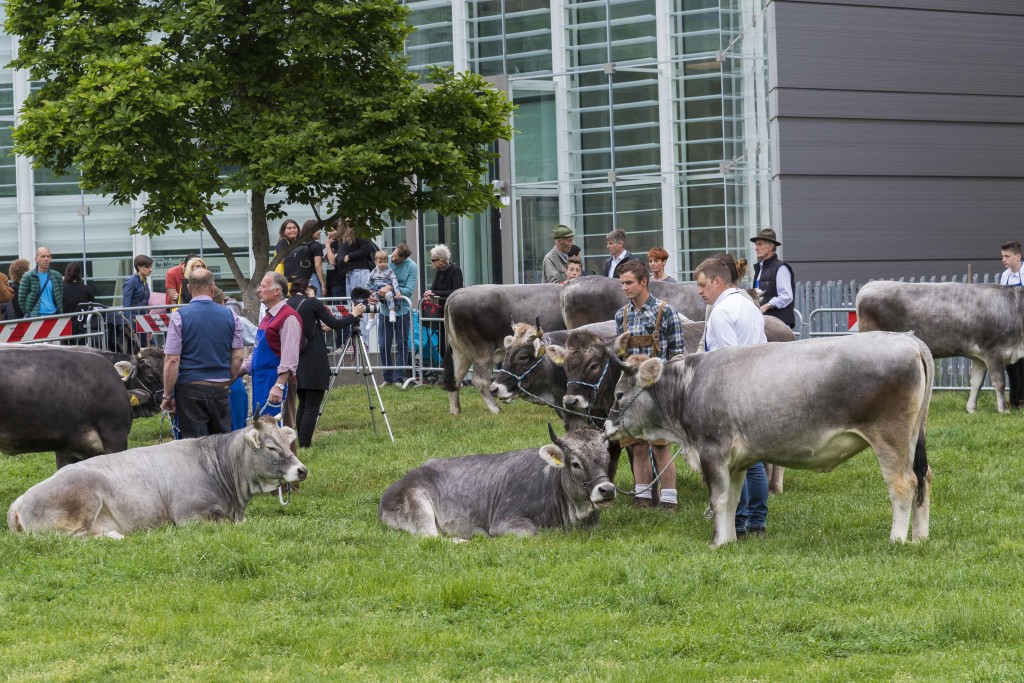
point(280, 386)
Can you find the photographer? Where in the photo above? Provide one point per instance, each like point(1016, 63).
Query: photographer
point(314, 371)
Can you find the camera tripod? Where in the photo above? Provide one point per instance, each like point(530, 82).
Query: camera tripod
point(362, 357)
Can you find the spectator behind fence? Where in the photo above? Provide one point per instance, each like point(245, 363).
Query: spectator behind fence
point(397, 333)
point(135, 291)
point(616, 243)
point(203, 356)
point(42, 290)
point(16, 272)
point(774, 277)
point(383, 283)
point(556, 261)
point(656, 259)
point(76, 293)
point(315, 249)
point(184, 293)
point(297, 263)
point(573, 269)
point(313, 375)
point(447, 279)
point(6, 299)
point(174, 278)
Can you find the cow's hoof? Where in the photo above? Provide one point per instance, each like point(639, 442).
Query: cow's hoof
point(774, 490)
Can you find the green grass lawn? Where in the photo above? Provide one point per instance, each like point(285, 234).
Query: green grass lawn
point(320, 590)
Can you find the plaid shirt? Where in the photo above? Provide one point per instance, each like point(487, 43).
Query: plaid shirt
point(670, 339)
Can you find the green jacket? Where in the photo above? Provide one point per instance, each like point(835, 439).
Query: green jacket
point(31, 287)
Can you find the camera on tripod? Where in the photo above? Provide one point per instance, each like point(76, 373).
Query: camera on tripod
point(362, 296)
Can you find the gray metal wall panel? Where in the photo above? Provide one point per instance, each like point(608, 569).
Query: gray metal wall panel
point(897, 50)
point(896, 136)
point(865, 219)
point(900, 148)
point(1013, 7)
point(851, 104)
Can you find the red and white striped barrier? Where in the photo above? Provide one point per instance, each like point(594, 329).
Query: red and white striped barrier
point(153, 324)
point(337, 310)
point(38, 330)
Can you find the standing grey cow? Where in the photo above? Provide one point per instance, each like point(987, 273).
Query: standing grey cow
point(595, 298)
point(73, 404)
point(831, 399)
point(982, 322)
point(211, 478)
point(563, 485)
point(476, 320)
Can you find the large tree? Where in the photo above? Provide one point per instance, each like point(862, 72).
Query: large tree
point(180, 102)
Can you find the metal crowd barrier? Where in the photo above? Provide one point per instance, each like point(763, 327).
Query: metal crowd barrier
point(419, 359)
point(124, 330)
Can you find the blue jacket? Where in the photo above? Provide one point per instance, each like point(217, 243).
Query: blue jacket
point(406, 274)
point(136, 292)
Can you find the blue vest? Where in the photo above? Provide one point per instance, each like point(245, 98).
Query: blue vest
point(207, 330)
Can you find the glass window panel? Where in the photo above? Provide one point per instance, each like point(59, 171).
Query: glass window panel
point(8, 179)
point(535, 141)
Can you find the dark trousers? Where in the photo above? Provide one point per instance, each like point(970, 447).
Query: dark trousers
point(202, 409)
point(309, 407)
point(1015, 375)
point(340, 336)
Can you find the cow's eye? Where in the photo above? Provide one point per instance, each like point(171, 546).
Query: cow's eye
point(576, 465)
point(618, 396)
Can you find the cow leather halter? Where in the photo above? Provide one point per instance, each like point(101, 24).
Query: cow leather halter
point(519, 385)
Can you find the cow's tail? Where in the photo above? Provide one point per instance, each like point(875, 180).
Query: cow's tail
point(448, 370)
point(920, 452)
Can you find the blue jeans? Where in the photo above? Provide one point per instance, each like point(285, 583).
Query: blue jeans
point(397, 332)
point(752, 512)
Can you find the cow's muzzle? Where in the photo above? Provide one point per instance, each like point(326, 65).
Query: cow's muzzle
point(501, 392)
point(575, 401)
point(603, 495)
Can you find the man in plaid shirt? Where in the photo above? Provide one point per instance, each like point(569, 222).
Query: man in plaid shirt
point(655, 330)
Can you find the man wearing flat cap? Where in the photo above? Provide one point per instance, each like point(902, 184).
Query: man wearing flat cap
point(774, 278)
point(556, 259)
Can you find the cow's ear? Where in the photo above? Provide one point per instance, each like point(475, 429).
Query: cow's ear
point(289, 434)
point(556, 353)
point(620, 345)
point(552, 455)
point(253, 437)
point(650, 371)
point(538, 348)
point(124, 368)
point(508, 341)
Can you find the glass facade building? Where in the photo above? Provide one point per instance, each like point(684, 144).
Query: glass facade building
point(644, 115)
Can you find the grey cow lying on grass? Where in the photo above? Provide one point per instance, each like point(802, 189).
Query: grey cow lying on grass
point(212, 478)
point(564, 484)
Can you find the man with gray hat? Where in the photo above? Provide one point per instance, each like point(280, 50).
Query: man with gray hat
point(774, 278)
point(556, 259)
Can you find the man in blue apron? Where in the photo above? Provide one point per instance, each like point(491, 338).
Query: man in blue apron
point(1012, 277)
point(276, 354)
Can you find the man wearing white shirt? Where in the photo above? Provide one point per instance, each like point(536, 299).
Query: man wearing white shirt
point(736, 321)
point(773, 277)
point(1011, 277)
point(616, 243)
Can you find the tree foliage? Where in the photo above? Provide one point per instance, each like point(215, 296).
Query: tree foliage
point(183, 101)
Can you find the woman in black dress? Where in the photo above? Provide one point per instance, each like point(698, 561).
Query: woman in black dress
point(314, 371)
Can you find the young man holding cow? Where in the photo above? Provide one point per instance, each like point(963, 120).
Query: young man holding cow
point(735, 321)
point(655, 330)
point(1013, 276)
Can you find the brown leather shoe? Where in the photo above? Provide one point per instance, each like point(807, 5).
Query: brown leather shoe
point(642, 503)
point(671, 507)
